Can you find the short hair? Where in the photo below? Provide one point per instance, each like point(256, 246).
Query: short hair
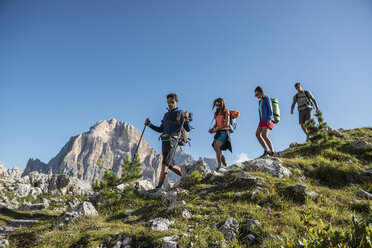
point(173, 95)
point(260, 90)
point(297, 84)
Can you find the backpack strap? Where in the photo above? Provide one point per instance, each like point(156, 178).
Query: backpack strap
point(227, 111)
point(178, 118)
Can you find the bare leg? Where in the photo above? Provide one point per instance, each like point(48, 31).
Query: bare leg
point(259, 137)
point(223, 159)
point(304, 128)
point(217, 149)
point(176, 170)
point(163, 173)
point(265, 133)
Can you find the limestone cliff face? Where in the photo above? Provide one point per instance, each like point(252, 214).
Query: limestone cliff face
point(107, 141)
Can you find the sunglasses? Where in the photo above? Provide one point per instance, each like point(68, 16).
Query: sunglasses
point(256, 95)
point(297, 87)
point(218, 105)
point(171, 102)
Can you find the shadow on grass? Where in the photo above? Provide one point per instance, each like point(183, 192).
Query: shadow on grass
point(364, 155)
point(22, 215)
point(334, 177)
point(144, 213)
point(82, 242)
point(26, 237)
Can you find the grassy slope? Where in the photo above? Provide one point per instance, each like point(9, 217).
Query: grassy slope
point(334, 172)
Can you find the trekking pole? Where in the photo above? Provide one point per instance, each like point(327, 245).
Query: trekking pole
point(210, 125)
point(176, 144)
point(139, 142)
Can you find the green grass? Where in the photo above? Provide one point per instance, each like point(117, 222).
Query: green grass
point(334, 172)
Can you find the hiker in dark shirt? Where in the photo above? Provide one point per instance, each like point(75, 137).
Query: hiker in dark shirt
point(305, 102)
point(221, 128)
point(266, 123)
point(170, 125)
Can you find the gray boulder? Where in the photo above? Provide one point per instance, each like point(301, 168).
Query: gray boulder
point(59, 184)
point(4, 243)
point(124, 243)
point(185, 214)
point(249, 239)
point(175, 194)
point(368, 172)
point(250, 224)
point(364, 194)
point(170, 242)
point(199, 165)
point(160, 224)
point(10, 204)
point(145, 184)
point(28, 206)
point(255, 192)
point(293, 144)
point(360, 144)
point(15, 173)
point(230, 229)
point(21, 190)
point(271, 166)
point(243, 175)
point(83, 209)
point(332, 131)
point(35, 191)
point(176, 204)
point(299, 192)
point(3, 170)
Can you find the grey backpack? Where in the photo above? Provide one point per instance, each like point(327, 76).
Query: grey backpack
point(182, 135)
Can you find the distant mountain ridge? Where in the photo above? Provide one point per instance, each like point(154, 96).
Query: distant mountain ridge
point(108, 141)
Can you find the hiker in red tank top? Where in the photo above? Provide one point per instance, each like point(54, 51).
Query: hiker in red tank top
point(221, 128)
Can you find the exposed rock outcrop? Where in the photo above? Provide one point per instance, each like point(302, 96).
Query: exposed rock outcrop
point(83, 209)
point(271, 166)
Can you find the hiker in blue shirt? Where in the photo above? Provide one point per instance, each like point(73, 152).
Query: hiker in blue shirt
point(266, 123)
point(170, 125)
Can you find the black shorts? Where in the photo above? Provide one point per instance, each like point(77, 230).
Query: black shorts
point(167, 150)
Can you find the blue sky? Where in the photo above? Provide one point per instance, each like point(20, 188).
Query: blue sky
point(65, 65)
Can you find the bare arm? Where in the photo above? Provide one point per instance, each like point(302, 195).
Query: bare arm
point(293, 103)
point(313, 100)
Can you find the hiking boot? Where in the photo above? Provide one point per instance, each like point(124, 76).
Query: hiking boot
point(218, 167)
point(271, 153)
point(265, 153)
point(159, 185)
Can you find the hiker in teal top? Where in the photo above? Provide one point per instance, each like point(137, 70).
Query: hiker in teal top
point(266, 123)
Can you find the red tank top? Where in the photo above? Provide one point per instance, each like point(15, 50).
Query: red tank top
point(222, 119)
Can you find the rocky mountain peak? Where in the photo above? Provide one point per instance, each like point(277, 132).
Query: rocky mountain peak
point(88, 155)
